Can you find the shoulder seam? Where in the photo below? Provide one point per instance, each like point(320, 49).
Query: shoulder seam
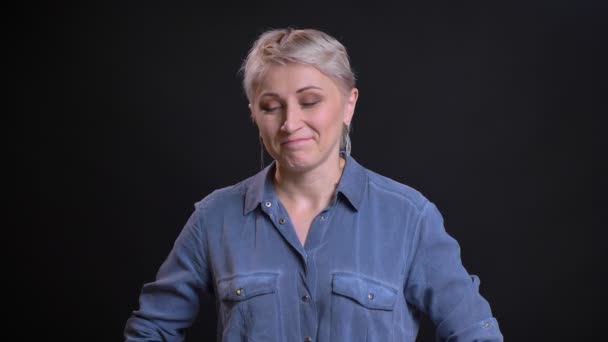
point(420, 206)
point(218, 194)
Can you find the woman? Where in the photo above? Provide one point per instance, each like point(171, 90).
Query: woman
point(315, 247)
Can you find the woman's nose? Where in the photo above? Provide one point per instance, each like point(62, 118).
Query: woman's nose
point(292, 119)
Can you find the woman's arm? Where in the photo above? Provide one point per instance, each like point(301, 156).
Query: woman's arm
point(439, 285)
point(169, 305)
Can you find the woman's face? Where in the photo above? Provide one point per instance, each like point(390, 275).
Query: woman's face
point(300, 113)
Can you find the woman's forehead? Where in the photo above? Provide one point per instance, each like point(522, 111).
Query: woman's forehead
point(293, 78)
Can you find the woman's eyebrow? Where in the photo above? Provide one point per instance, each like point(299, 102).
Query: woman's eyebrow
point(269, 94)
point(306, 88)
point(297, 92)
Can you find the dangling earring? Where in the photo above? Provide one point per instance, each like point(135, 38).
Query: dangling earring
point(261, 153)
point(345, 144)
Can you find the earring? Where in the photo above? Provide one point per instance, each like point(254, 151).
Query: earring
point(261, 153)
point(345, 144)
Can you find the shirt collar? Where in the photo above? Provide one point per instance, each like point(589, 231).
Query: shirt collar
point(352, 186)
point(353, 183)
point(259, 185)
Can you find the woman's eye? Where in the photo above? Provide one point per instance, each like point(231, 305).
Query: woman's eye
point(268, 109)
point(310, 103)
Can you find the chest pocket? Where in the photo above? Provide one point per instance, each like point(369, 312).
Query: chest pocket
point(242, 287)
point(361, 308)
point(364, 290)
point(249, 307)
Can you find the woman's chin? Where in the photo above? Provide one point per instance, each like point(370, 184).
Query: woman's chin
point(297, 163)
point(302, 162)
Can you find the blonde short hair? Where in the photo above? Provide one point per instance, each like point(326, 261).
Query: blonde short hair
point(304, 46)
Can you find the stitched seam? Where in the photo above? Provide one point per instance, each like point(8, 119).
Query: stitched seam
point(400, 194)
point(205, 255)
point(415, 244)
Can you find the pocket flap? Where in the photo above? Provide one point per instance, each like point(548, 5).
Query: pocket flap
point(245, 286)
point(366, 291)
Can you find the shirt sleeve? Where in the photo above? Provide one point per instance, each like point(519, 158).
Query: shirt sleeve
point(169, 305)
point(439, 285)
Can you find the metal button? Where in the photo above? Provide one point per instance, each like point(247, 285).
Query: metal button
point(268, 204)
point(239, 292)
point(281, 221)
point(307, 339)
point(306, 298)
point(371, 296)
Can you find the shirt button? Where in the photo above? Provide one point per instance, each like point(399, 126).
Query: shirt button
point(281, 221)
point(487, 325)
point(239, 292)
point(371, 296)
point(267, 204)
point(322, 217)
point(307, 339)
point(306, 298)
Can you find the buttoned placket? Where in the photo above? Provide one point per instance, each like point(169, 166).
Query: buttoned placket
point(306, 289)
point(280, 219)
point(308, 311)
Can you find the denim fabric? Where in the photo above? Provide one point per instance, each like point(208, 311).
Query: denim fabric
point(373, 259)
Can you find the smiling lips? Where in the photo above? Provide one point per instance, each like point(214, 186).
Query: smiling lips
point(294, 142)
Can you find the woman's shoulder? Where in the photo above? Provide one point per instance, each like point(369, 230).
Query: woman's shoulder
point(393, 190)
point(228, 195)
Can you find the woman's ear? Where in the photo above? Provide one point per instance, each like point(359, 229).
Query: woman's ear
point(251, 112)
point(351, 102)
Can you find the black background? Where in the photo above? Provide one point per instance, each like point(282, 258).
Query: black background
point(134, 111)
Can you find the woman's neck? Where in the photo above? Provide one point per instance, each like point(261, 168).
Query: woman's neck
point(311, 190)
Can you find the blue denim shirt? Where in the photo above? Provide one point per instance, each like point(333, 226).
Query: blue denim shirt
point(373, 259)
